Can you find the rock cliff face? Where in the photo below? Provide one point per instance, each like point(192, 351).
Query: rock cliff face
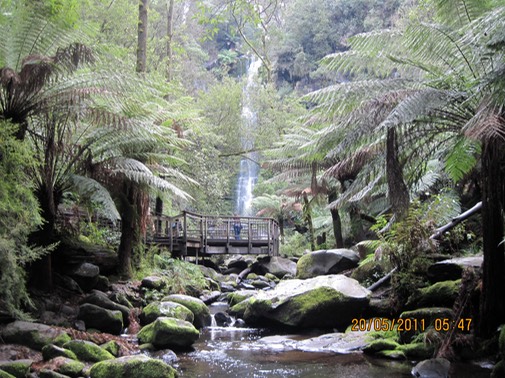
point(325, 301)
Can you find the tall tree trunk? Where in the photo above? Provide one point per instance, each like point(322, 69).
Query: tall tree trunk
point(336, 221)
point(492, 309)
point(129, 233)
point(170, 34)
point(307, 213)
point(398, 191)
point(41, 271)
point(142, 37)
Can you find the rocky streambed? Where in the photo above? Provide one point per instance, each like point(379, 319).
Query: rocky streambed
point(259, 330)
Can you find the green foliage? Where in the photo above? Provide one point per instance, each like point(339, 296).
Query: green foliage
point(295, 244)
point(19, 216)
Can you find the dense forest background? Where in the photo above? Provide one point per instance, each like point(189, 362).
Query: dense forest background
point(377, 121)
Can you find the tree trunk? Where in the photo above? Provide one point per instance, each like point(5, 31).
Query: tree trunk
point(336, 221)
point(170, 34)
point(129, 233)
point(307, 213)
point(492, 308)
point(398, 191)
point(142, 37)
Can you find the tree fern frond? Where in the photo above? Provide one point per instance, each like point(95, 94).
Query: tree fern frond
point(95, 192)
point(461, 158)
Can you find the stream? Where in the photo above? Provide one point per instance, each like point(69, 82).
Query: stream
point(232, 352)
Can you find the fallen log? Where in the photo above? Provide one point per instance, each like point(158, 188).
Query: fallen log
point(456, 220)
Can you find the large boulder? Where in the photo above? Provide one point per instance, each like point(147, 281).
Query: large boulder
point(440, 294)
point(88, 351)
point(155, 310)
point(325, 301)
point(323, 262)
point(276, 265)
point(169, 333)
point(86, 275)
point(33, 335)
point(18, 368)
point(197, 307)
point(101, 299)
point(139, 366)
point(100, 318)
point(432, 368)
point(452, 269)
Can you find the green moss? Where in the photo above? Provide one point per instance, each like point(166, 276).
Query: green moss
point(239, 296)
point(155, 310)
point(501, 342)
point(18, 369)
point(380, 345)
point(46, 373)
point(112, 347)
point(61, 339)
point(239, 309)
point(498, 370)
point(169, 332)
point(272, 277)
point(303, 266)
point(439, 294)
point(391, 354)
point(418, 351)
point(88, 351)
point(133, 367)
point(71, 368)
point(51, 351)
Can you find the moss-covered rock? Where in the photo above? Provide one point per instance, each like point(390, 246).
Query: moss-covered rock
point(240, 296)
point(88, 351)
point(139, 366)
point(501, 342)
point(426, 316)
point(101, 299)
point(157, 309)
point(440, 294)
point(154, 283)
point(325, 262)
point(112, 347)
point(380, 345)
point(392, 354)
point(417, 351)
point(238, 310)
point(18, 369)
point(169, 333)
point(51, 351)
point(197, 307)
point(65, 366)
point(324, 301)
point(369, 272)
point(33, 335)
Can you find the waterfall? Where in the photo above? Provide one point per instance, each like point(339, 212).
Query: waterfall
point(249, 168)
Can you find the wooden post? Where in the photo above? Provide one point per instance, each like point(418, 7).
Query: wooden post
point(269, 233)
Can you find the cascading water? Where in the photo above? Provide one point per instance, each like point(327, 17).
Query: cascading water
point(249, 168)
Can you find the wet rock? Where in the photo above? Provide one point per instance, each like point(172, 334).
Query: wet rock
point(101, 299)
point(19, 368)
point(169, 333)
point(4, 374)
point(166, 355)
point(154, 310)
point(211, 297)
point(102, 319)
point(102, 283)
point(309, 303)
point(88, 351)
point(440, 294)
point(46, 373)
point(432, 368)
point(68, 283)
point(154, 282)
point(227, 287)
point(452, 269)
point(239, 296)
point(112, 347)
point(33, 335)
point(239, 309)
point(138, 366)
point(65, 366)
point(326, 262)
point(211, 273)
point(197, 307)
point(86, 276)
point(369, 273)
point(425, 315)
point(222, 319)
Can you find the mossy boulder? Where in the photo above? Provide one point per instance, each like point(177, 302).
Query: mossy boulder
point(239, 309)
point(139, 366)
point(67, 366)
point(88, 351)
point(157, 309)
point(33, 335)
point(154, 283)
point(197, 307)
point(169, 333)
point(112, 347)
point(369, 272)
point(240, 296)
point(51, 351)
point(380, 345)
point(392, 354)
point(18, 369)
point(452, 269)
point(324, 301)
point(325, 262)
point(426, 316)
point(440, 294)
point(102, 319)
point(46, 373)
point(417, 351)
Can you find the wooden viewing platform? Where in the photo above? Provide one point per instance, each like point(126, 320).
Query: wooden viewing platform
point(190, 234)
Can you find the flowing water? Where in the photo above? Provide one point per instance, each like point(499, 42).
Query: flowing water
point(231, 352)
point(249, 168)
